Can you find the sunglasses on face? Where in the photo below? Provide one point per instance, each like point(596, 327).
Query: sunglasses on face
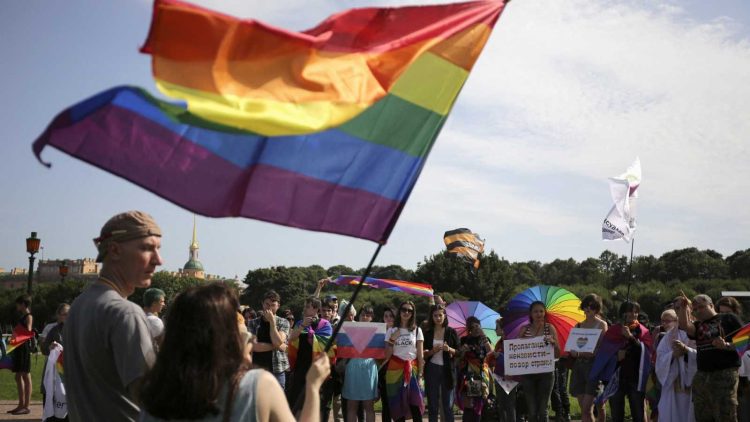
point(407, 310)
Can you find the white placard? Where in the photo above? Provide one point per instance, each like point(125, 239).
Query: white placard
point(528, 356)
point(582, 340)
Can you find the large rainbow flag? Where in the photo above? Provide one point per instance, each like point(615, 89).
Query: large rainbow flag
point(326, 129)
point(408, 287)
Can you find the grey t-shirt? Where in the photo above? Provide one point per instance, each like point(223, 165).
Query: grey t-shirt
point(243, 404)
point(107, 347)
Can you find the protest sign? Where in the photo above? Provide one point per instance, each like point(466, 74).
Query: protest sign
point(582, 340)
point(528, 356)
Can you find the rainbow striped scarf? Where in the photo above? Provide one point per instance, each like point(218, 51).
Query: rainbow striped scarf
point(402, 388)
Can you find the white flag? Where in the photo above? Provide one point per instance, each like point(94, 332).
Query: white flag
point(620, 222)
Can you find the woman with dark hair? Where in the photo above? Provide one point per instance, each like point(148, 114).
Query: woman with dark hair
point(202, 373)
point(537, 388)
point(440, 344)
point(581, 387)
point(474, 379)
point(22, 355)
point(406, 363)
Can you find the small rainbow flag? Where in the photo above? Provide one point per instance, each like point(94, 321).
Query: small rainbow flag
point(741, 339)
point(408, 287)
point(326, 129)
point(20, 336)
point(361, 340)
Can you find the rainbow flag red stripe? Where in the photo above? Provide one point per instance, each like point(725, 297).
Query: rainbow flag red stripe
point(326, 129)
point(408, 287)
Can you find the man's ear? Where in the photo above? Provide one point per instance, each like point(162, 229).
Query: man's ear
point(114, 251)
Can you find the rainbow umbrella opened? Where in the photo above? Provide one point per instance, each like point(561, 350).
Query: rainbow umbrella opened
point(563, 310)
point(326, 129)
point(458, 312)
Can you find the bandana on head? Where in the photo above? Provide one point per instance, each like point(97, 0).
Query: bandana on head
point(123, 227)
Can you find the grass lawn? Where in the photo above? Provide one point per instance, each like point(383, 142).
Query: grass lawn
point(8, 381)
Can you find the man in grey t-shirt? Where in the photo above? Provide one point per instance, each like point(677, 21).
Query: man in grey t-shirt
point(108, 347)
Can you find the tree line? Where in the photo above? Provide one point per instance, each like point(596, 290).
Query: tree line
point(654, 282)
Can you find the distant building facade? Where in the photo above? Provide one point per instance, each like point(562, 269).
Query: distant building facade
point(48, 271)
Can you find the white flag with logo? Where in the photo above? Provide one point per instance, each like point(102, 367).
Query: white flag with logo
point(620, 222)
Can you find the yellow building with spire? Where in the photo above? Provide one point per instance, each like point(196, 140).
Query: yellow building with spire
point(193, 268)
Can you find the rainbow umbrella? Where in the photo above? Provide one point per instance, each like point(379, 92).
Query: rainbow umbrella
point(741, 339)
point(563, 310)
point(458, 312)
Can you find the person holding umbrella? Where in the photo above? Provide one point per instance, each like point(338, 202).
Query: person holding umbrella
point(440, 344)
point(474, 379)
point(537, 388)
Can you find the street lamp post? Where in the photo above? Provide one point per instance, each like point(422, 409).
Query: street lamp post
point(63, 269)
point(32, 247)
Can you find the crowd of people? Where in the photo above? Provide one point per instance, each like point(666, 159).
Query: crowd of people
point(211, 360)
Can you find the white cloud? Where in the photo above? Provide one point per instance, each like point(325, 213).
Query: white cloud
point(583, 87)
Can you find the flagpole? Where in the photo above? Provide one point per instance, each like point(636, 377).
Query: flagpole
point(630, 281)
point(352, 299)
point(299, 400)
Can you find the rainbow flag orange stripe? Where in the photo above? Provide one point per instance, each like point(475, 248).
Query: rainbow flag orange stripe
point(326, 129)
point(271, 81)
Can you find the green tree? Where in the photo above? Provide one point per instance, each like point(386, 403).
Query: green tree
point(615, 267)
point(560, 272)
point(684, 264)
point(338, 270)
point(492, 284)
point(739, 264)
point(293, 284)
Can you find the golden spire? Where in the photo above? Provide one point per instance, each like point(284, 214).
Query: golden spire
point(194, 244)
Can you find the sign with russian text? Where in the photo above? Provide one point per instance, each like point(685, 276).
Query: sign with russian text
point(582, 340)
point(528, 356)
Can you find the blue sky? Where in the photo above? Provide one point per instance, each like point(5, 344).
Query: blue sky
point(565, 95)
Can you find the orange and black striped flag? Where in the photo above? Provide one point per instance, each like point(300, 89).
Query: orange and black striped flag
point(465, 245)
